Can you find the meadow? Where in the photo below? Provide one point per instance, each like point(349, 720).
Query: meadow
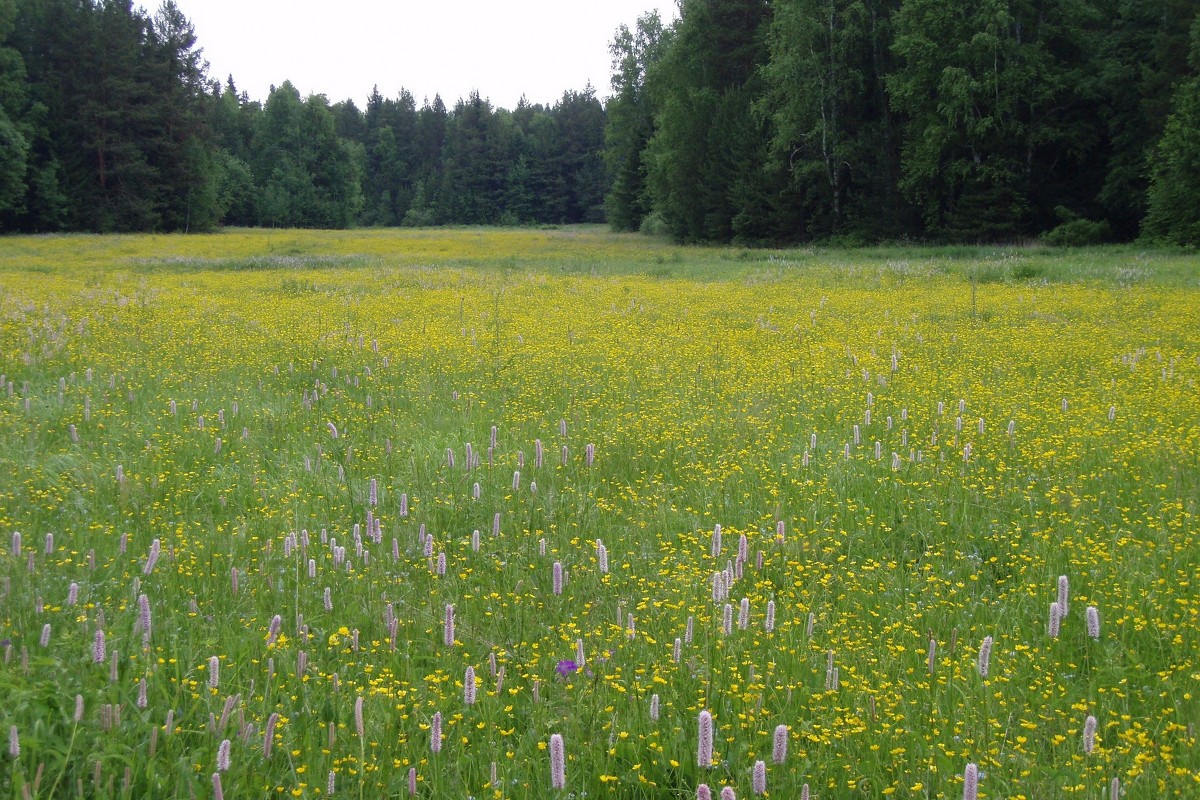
point(565, 514)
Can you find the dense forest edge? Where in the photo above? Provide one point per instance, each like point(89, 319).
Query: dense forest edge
point(1074, 122)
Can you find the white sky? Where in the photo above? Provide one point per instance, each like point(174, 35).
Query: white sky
point(501, 48)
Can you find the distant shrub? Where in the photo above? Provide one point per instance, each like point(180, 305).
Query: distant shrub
point(1026, 271)
point(1078, 233)
point(418, 218)
point(654, 225)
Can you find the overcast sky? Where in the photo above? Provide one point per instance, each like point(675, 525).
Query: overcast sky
point(341, 48)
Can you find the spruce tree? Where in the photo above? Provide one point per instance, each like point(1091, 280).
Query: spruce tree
point(703, 154)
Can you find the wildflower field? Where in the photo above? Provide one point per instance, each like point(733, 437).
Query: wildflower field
point(565, 514)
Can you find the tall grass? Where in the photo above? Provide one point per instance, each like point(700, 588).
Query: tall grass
point(308, 452)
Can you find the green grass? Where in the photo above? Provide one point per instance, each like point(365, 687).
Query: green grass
point(212, 371)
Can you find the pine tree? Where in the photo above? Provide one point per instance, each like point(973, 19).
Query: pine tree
point(579, 118)
point(179, 141)
point(476, 164)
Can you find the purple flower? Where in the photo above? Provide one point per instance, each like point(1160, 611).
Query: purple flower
point(985, 655)
point(144, 619)
point(152, 557)
point(567, 667)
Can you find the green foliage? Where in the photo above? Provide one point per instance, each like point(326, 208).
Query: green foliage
point(1143, 57)
point(112, 115)
point(236, 191)
point(706, 151)
point(1077, 232)
point(246, 404)
point(872, 119)
point(833, 132)
point(1174, 207)
point(13, 153)
point(477, 145)
point(117, 127)
point(308, 174)
point(420, 213)
point(387, 134)
point(14, 146)
point(630, 120)
point(758, 121)
point(579, 120)
point(983, 86)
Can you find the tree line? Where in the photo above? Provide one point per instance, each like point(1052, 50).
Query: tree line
point(109, 122)
point(1076, 121)
point(958, 120)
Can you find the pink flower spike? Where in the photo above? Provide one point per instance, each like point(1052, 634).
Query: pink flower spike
point(705, 747)
point(435, 733)
point(779, 751)
point(971, 782)
point(1089, 735)
point(558, 778)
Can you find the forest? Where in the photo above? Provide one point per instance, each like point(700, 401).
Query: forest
point(1073, 122)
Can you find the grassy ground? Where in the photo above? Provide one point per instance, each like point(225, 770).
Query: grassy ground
point(905, 451)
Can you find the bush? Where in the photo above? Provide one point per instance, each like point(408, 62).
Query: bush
point(418, 218)
point(1078, 233)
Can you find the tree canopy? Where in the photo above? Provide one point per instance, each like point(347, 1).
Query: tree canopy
point(741, 120)
point(948, 120)
point(109, 122)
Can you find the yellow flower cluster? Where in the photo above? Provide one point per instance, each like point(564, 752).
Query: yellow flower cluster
point(608, 476)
